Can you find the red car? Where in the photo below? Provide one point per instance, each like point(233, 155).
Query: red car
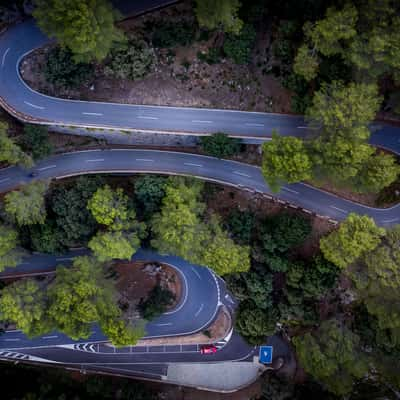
point(208, 349)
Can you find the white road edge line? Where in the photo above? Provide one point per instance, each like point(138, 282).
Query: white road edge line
point(92, 113)
point(192, 165)
point(4, 57)
point(33, 105)
point(339, 209)
point(241, 174)
point(48, 167)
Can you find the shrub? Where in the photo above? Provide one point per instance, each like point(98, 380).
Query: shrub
point(135, 62)
point(239, 47)
point(62, 71)
point(172, 34)
point(36, 140)
point(220, 145)
point(156, 303)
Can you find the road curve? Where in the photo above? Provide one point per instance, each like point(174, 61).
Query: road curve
point(202, 294)
point(23, 101)
point(208, 168)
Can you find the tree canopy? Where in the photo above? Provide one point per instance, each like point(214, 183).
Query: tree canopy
point(220, 145)
point(332, 355)
point(222, 15)
point(355, 236)
point(10, 256)
point(86, 27)
point(26, 206)
point(285, 160)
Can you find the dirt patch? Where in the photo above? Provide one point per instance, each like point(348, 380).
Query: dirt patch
point(179, 78)
point(137, 279)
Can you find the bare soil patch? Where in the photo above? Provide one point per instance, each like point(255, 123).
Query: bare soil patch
point(180, 79)
point(136, 280)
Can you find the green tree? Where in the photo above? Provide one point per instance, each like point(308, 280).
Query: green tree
point(107, 246)
point(36, 139)
point(255, 324)
point(241, 225)
point(24, 303)
point(47, 237)
point(378, 172)
point(221, 14)
point(122, 333)
point(377, 280)
point(149, 192)
point(345, 111)
point(72, 217)
point(10, 152)
point(79, 296)
point(332, 356)
point(238, 47)
point(306, 63)
point(355, 236)
point(110, 207)
point(27, 205)
point(220, 145)
point(221, 254)
point(285, 160)
point(62, 71)
point(10, 256)
point(86, 27)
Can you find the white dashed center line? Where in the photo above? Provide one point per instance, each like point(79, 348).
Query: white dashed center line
point(146, 117)
point(201, 121)
point(95, 160)
point(254, 124)
point(199, 310)
point(196, 272)
point(4, 180)
point(390, 220)
point(166, 324)
point(92, 113)
point(241, 174)
point(144, 159)
point(48, 167)
point(339, 209)
point(33, 105)
point(302, 127)
point(11, 340)
point(4, 57)
point(49, 337)
point(192, 165)
point(64, 258)
point(290, 190)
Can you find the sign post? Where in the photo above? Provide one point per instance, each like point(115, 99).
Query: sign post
point(265, 355)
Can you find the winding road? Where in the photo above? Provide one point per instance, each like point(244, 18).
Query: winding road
point(203, 293)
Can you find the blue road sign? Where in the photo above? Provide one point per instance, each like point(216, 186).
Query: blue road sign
point(265, 356)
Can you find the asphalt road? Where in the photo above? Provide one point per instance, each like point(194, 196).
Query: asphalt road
point(228, 172)
point(25, 37)
point(202, 295)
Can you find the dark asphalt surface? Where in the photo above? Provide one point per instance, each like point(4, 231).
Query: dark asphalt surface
point(228, 172)
point(25, 37)
point(202, 293)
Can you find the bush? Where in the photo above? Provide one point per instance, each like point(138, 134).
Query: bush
point(149, 192)
point(240, 224)
point(62, 71)
point(156, 303)
point(213, 56)
point(239, 47)
point(36, 140)
point(135, 62)
point(220, 145)
point(172, 34)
